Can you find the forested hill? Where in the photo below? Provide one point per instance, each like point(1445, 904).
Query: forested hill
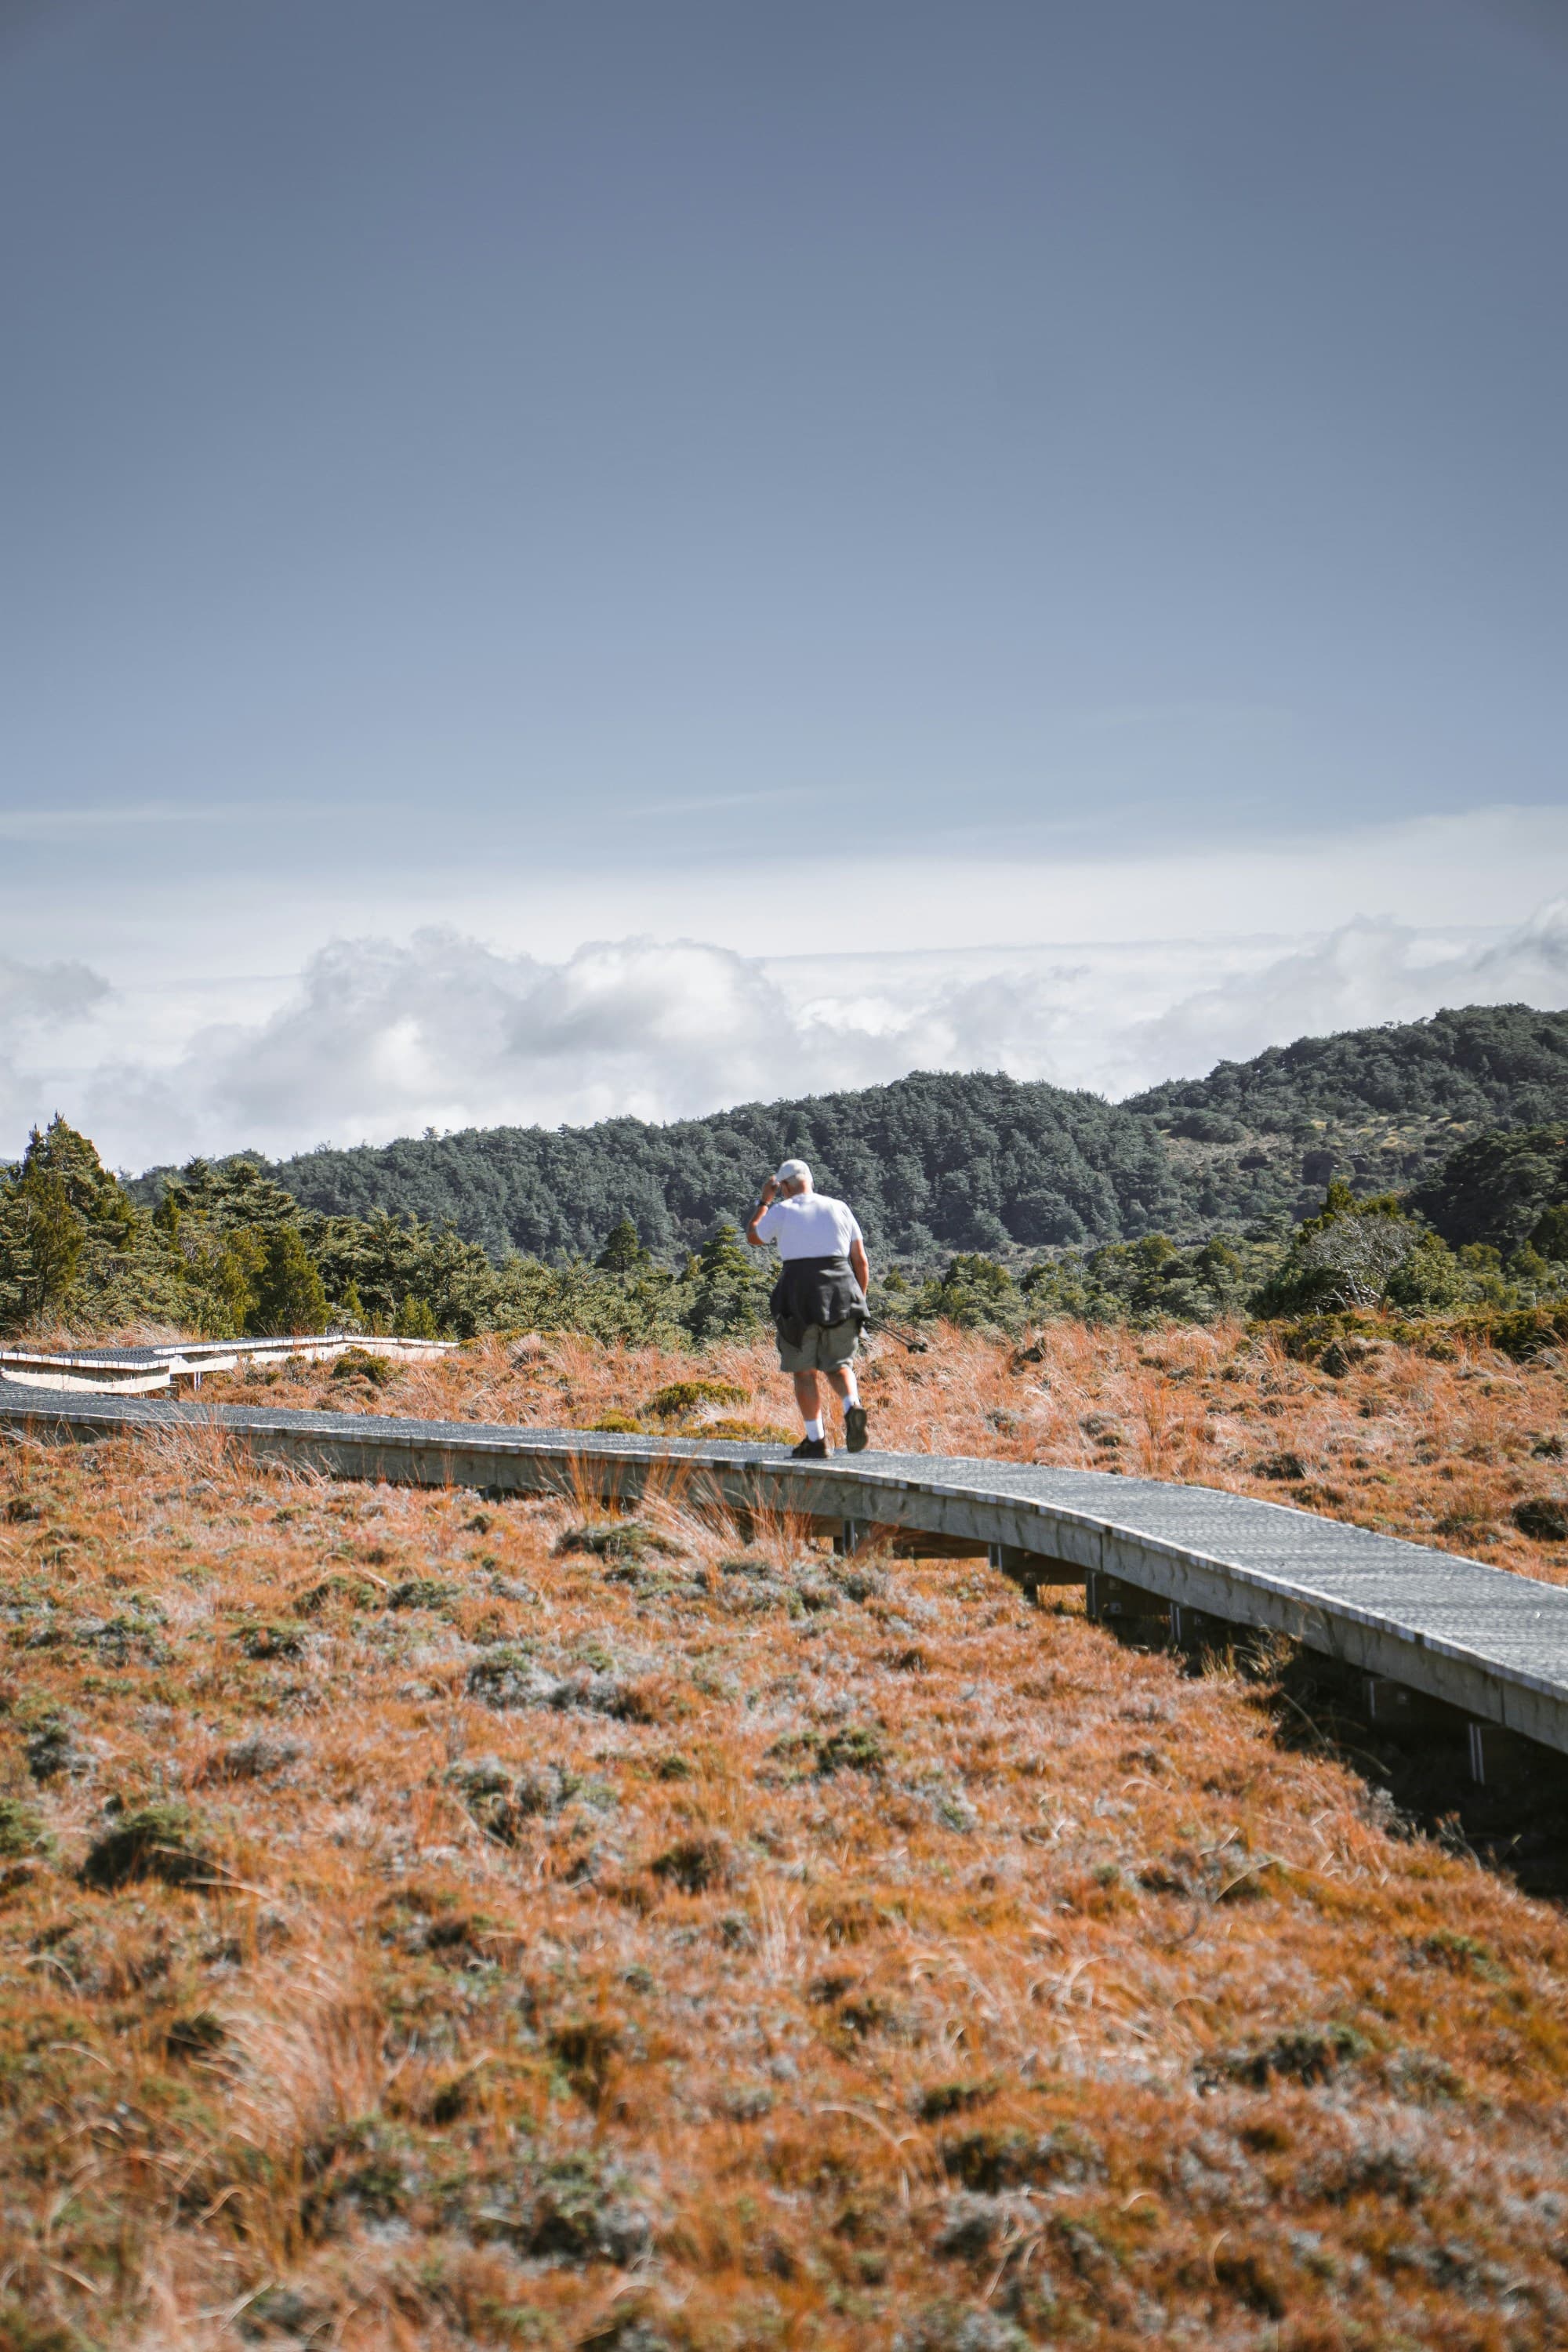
point(931, 1162)
point(1498, 1065)
point(935, 1163)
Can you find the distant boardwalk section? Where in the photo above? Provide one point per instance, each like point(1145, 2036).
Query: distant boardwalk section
point(145, 1371)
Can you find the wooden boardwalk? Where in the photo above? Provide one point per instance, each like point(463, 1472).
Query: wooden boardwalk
point(1458, 1635)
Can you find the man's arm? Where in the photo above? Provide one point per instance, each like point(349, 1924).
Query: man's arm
point(769, 1189)
point(858, 1267)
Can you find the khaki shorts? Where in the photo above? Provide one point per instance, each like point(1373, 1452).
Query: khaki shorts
point(822, 1347)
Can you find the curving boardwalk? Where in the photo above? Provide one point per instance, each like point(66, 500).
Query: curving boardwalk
point(1490, 1644)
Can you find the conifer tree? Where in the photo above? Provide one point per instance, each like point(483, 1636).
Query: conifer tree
point(728, 1288)
point(623, 1252)
point(289, 1296)
point(19, 1271)
point(72, 1241)
point(228, 1292)
point(58, 1233)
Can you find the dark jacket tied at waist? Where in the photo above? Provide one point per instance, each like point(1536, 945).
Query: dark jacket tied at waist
point(815, 1290)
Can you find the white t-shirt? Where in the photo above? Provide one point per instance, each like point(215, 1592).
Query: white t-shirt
point(809, 1224)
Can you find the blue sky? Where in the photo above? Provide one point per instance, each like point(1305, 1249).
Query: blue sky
point(563, 471)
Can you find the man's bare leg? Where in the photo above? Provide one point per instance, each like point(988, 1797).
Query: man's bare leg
point(847, 1390)
point(841, 1379)
point(808, 1395)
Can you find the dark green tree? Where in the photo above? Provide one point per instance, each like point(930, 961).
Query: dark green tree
point(20, 1283)
point(976, 1293)
point(289, 1296)
point(228, 1293)
point(415, 1320)
point(1550, 1235)
point(624, 1252)
point(1427, 1279)
point(74, 1245)
point(56, 1232)
point(1349, 1256)
point(235, 1191)
point(727, 1288)
point(1498, 1187)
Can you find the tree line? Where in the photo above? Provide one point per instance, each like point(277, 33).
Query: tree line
point(937, 1164)
point(226, 1250)
point(983, 1198)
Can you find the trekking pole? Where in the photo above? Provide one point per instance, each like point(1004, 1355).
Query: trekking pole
point(897, 1331)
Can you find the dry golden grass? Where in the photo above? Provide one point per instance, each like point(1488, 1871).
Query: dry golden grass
point(452, 1937)
point(1439, 1451)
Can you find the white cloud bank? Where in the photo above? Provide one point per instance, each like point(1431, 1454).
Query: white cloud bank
point(382, 1038)
point(44, 996)
point(36, 1002)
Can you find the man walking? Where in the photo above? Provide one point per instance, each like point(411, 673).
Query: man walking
point(820, 1299)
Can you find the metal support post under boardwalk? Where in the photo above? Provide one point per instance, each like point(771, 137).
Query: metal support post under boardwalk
point(1032, 1571)
point(1196, 1631)
point(1132, 1613)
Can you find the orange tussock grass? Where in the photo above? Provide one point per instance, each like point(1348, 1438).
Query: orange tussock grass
point(725, 1946)
point(1438, 1451)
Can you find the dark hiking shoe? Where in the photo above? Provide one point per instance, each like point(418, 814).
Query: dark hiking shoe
point(810, 1449)
point(855, 1439)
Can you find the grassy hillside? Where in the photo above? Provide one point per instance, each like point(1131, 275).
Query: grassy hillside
point(427, 1924)
point(937, 1162)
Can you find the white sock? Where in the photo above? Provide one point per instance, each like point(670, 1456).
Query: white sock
point(814, 1428)
point(854, 1387)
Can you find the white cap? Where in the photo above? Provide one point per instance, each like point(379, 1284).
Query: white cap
point(792, 1172)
